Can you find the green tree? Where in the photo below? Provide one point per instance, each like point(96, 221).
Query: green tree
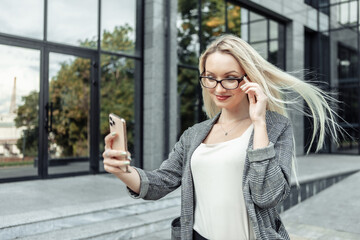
point(69, 92)
point(27, 116)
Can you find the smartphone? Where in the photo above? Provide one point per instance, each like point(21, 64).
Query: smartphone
point(118, 125)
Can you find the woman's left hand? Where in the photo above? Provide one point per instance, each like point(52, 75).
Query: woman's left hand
point(257, 99)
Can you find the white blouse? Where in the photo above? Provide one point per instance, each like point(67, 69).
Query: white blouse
point(217, 169)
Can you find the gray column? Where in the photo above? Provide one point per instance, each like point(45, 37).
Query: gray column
point(160, 83)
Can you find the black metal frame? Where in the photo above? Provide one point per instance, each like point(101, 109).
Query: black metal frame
point(94, 55)
point(221, 81)
point(329, 30)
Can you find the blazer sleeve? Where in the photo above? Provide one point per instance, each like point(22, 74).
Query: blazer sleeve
point(270, 170)
point(167, 178)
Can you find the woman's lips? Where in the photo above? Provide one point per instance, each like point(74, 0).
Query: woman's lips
point(221, 97)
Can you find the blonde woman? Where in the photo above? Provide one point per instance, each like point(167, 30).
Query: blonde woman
point(235, 168)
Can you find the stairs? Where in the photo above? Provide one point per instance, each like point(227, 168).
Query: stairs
point(130, 221)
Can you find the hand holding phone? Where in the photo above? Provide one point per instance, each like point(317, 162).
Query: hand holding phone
point(118, 125)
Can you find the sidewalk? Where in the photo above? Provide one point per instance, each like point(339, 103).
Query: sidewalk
point(331, 214)
point(54, 198)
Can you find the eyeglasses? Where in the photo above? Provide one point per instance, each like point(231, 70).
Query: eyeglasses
point(227, 83)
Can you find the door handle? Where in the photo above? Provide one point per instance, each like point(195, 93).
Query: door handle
point(49, 119)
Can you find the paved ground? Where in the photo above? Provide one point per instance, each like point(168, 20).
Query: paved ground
point(334, 211)
point(331, 214)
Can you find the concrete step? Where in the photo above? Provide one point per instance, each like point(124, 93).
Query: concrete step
point(310, 187)
point(160, 235)
point(128, 227)
point(148, 216)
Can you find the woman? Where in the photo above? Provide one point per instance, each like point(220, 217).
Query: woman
point(235, 167)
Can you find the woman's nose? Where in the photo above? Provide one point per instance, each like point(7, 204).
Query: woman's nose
point(219, 88)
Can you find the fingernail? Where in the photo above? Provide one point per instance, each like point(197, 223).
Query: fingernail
point(127, 163)
point(113, 133)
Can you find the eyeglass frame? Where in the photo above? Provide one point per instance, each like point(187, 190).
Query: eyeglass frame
point(239, 80)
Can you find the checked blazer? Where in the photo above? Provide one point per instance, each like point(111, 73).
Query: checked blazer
point(266, 178)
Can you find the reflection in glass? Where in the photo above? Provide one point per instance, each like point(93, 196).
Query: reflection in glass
point(73, 22)
point(117, 95)
point(258, 31)
point(118, 18)
point(274, 53)
point(69, 105)
point(255, 17)
point(261, 48)
point(234, 19)
point(23, 18)
point(350, 96)
point(188, 96)
point(213, 20)
point(347, 12)
point(187, 36)
point(274, 30)
point(19, 106)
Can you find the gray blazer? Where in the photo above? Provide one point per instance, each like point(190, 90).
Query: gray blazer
point(266, 180)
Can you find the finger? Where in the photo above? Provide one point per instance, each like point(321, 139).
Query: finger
point(109, 138)
point(246, 79)
point(251, 98)
point(111, 169)
point(249, 84)
point(116, 163)
point(111, 153)
point(252, 89)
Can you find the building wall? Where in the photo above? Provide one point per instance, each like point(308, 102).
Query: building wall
point(301, 15)
point(160, 81)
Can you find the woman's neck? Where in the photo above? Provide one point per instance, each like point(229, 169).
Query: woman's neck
point(229, 116)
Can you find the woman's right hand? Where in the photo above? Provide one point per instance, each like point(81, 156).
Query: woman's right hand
point(115, 161)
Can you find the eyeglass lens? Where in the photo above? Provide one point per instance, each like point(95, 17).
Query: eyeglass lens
point(226, 83)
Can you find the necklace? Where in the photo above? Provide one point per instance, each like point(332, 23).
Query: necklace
point(227, 132)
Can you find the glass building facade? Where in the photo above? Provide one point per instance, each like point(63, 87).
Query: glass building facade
point(65, 65)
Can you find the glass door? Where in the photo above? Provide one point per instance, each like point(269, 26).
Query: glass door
point(67, 114)
point(19, 106)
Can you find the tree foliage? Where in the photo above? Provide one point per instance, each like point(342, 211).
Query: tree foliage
point(27, 116)
point(69, 92)
point(191, 43)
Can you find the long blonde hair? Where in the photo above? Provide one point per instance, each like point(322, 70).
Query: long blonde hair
point(278, 86)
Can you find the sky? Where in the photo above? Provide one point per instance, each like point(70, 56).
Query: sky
point(68, 22)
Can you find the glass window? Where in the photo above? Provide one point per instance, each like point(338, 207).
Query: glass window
point(350, 96)
point(274, 30)
point(347, 65)
point(118, 18)
point(274, 53)
point(117, 96)
point(69, 98)
point(213, 20)
point(23, 18)
point(255, 17)
point(19, 106)
point(234, 19)
point(261, 48)
point(188, 46)
point(73, 22)
point(258, 31)
point(347, 12)
point(188, 85)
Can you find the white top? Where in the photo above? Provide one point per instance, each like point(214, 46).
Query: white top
point(217, 169)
